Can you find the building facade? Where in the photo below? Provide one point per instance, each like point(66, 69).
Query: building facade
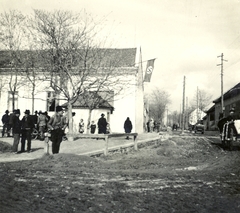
point(125, 103)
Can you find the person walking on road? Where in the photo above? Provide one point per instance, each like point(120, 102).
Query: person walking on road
point(128, 126)
point(27, 128)
point(5, 121)
point(16, 129)
point(102, 124)
point(57, 127)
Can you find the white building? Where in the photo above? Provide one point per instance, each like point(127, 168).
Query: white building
point(127, 103)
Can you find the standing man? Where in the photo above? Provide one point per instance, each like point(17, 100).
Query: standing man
point(35, 118)
point(27, 127)
point(102, 124)
point(16, 129)
point(57, 127)
point(127, 126)
point(42, 124)
point(5, 121)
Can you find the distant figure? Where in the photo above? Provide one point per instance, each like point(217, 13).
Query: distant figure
point(108, 129)
point(5, 121)
point(81, 126)
point(35, 118)
point(93, 127)
point(148, 126)
point(174, 127)
point(151, 125)
point(47, 116)
point(102, 124)
point(16, 129)
point(42, 124)
point(127, 126)
point(27, 127)
point(11, 116)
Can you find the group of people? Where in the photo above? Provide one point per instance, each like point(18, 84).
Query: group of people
point(22, 128)
point(104, 126)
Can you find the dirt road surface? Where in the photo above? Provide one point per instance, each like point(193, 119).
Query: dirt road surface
point(181, 174)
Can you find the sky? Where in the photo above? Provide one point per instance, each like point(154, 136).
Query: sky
point(185, 36)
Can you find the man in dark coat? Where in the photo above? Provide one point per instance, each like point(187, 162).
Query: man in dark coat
point(35, 118)
point(27, 127)
point(127, 126)
point(5, 121)
point(16, 129)
point(102, 124)
point(57, 126)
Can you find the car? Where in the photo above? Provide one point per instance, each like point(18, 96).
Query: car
point(199, 127)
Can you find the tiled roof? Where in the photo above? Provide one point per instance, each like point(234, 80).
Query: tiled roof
point(122, 57)
point(82, 102)
point(230, 93)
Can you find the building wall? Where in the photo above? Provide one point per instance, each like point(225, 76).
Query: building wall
point(124, 104)
point(228, 104)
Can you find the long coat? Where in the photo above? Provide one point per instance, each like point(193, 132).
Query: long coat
point(102, 125)
point(128, 126)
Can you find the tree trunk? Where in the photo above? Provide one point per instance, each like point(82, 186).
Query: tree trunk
point(89, 121)
point(70, 123)
point(33, 101)
point(13, 101)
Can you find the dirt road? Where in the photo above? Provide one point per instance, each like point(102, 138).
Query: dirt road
point(182, 174)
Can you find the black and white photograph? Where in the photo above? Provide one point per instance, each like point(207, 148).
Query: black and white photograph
point(124, 106)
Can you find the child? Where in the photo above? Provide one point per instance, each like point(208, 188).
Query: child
point(92, 127)
point(81, 126)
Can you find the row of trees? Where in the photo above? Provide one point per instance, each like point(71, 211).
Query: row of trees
point(159, 101)
point(62, 48)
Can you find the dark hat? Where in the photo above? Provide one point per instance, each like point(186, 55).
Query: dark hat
point(17, 111)
point(36, 111)
point(102, 114)
point(6, 111)
point(40, 112)
point(59, 109)
point(27, 112)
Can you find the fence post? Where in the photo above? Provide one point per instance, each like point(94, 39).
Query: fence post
point(46, 145)
point(135, 142)
point(106, 146)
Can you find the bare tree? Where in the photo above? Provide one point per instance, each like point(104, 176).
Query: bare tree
point(12, 27)
point(158, 101)
point(73, 61)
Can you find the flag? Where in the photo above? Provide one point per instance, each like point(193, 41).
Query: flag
point(149, 70)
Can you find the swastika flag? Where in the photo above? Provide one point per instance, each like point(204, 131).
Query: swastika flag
point(149, 70)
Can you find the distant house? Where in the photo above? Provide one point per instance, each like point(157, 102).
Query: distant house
point(209, 119)
point(195, 116)
point(129, 103)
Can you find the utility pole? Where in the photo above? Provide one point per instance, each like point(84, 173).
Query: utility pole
point(183, 105)
point(222, 104)
point(197, 106)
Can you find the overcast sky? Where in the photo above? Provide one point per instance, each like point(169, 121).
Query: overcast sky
point(185, 37)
